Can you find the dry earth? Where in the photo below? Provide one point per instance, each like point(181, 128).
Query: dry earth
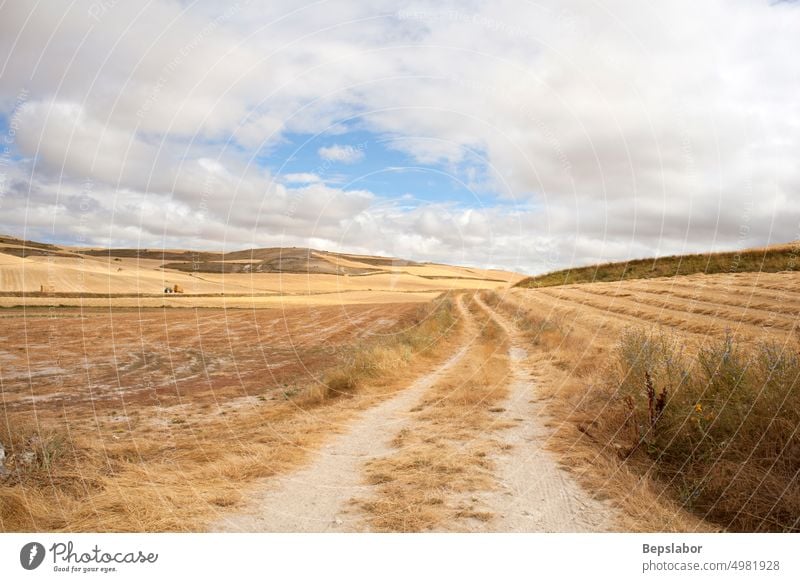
point(535, 494)
point(99, 360)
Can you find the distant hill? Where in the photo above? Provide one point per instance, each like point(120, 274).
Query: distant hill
point(772, 259)
point(30, 268)
point(275, 260)
point(257, 260)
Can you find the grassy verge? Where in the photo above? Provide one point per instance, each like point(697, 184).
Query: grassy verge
point(368, 361)
point(680, 438)
point(177, 469)
point(719, 427)
point(770, 260)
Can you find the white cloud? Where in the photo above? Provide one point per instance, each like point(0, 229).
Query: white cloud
point(618, 129)
point(345, 154)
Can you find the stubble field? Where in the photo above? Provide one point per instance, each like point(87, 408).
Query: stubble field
point(661, 404)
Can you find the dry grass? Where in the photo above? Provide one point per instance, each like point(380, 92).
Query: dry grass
point(424, 485)
point(174, 469)
point(161, 480)
point(368, 361)
point(669, 464)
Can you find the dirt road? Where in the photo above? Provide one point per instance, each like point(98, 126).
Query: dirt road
point(529, 491)
point(534, 493)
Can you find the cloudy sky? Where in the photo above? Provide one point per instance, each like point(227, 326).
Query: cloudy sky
point(516, 134)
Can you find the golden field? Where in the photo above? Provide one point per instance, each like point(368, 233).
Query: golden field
point(376, 394)
point(126, 278)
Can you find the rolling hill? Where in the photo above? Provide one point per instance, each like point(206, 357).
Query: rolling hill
point(32, 273)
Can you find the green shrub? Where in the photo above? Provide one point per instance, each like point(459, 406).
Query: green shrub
point(725, 436)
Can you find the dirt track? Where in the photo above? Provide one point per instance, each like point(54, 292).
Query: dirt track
point(529, 491)
point(535, 494)
point(316, 498)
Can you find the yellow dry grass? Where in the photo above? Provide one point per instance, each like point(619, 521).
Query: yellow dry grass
point(174, 469)
point(576, 331)
point(228, 302)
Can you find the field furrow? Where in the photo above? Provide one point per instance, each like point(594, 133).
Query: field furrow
point(707, 290)
point(676, 313)
point(696, 305)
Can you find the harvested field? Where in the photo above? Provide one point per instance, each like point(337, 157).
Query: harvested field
point(750, 305)
point(772, 259)
point(70, 359)
point(200, 301)
point(253, 278)
point(151, 420)
point(722, 350)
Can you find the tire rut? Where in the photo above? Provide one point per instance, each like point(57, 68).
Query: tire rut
point(317, 497)
point(534, 493)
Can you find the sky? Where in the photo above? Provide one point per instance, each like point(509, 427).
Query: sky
point(522, 135)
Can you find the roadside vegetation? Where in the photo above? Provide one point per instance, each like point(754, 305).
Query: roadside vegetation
point(383, 357)
point(718, 426)
point(767, 260)
point(680, 434)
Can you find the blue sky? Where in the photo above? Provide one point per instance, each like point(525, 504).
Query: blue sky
point(382, 169)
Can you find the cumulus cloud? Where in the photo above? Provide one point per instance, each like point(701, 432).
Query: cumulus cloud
point(586, 132)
